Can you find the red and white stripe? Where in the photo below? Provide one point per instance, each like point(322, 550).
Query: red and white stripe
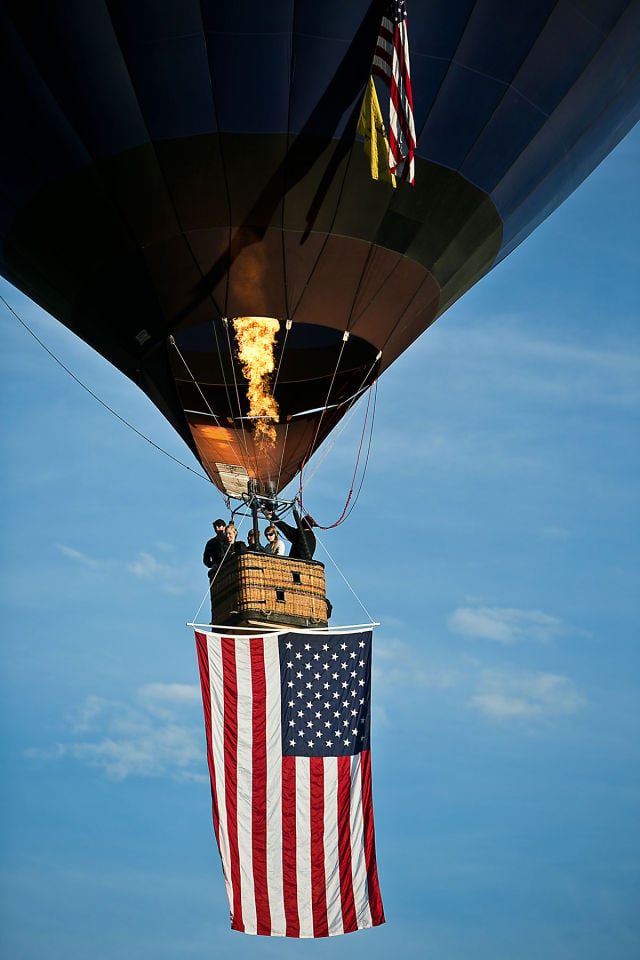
point(391, 64)
point(295, 834)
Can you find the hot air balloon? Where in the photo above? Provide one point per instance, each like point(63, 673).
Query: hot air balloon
point(178, 174)
point(169, 167)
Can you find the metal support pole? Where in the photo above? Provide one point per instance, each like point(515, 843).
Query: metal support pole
point(253, 490)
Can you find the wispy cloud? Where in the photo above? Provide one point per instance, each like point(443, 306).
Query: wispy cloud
point(527, 696)
point(545, 366)
point(77, 556)
point(170, 578)
point(492, 369)
point(396, 665)
point(554, 534)
point(147, 567)
point(160, 695)
point(505, 625)
point(158, 734)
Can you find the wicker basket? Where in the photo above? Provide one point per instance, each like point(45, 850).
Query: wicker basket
point(257, 588)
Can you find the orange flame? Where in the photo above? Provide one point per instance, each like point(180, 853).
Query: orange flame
point(255, 337)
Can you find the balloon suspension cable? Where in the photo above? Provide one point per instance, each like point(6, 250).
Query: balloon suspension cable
point(202, 602)
point(347, 512)
point(102, 403)
point(287, 327)
point(219, 567)
point(331, 441)
point(371, 620)
point(172, 341)
point(327, 447)
point(345, 337)
point(284, 447)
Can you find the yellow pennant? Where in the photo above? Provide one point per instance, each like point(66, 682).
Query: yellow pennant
point(371, 127)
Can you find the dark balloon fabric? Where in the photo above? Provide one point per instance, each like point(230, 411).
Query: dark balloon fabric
point(168, 164)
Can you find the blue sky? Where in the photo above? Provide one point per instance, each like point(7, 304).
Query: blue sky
point(496, 539)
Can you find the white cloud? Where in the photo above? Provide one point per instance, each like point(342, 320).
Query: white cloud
point(171, 579)
point(148, 568)
point(554, 534)
point(159, 734)
point(170, 693)
point(91, 709)
point(566, 371)
point(527, 696)
point(504, 624)
point(77, 556)
point(395, 665)
point(491, 370)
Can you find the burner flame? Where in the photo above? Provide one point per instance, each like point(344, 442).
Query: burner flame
point(255, 337)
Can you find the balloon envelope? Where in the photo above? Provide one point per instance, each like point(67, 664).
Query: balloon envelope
point(167, 165)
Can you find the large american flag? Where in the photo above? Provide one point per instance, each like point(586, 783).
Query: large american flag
point(391, 63)
point(287, 722)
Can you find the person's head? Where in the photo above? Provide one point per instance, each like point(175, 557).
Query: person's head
point(251, 537)
point(271, 534)
point(231, 532)
point(219, 527)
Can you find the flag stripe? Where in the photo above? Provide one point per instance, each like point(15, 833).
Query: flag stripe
point(289, 847)
point(344, 844)
point(316, 830)
point(358, 862)
point(205, 683)
point(331, 853)
point(259, 793)
point(385, 50)
point(303, 847)
point(391, 64)
point(274, 790)
point(217, 740)
point(231, 775)
point(375, 900)
point(245, 784)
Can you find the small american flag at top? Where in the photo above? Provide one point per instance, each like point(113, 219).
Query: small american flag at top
point(391, 64)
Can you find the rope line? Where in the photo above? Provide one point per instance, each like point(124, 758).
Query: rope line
point(288, 325)
point(292, 70)
point(344, 515)
point(172, 341)
point(355, 399)
point(371, 620)
point(99, 400)
point(223, 159)
point(326, 403)
point(366, 462)
point(284, 444)
point(327, 236)
point(202, 602)
point(331, 441)
point(207, 461)
point(240, 529)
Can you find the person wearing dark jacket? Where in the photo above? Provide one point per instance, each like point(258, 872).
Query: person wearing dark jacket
point(218, 550)
point(215, 548)
point(301, 537)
